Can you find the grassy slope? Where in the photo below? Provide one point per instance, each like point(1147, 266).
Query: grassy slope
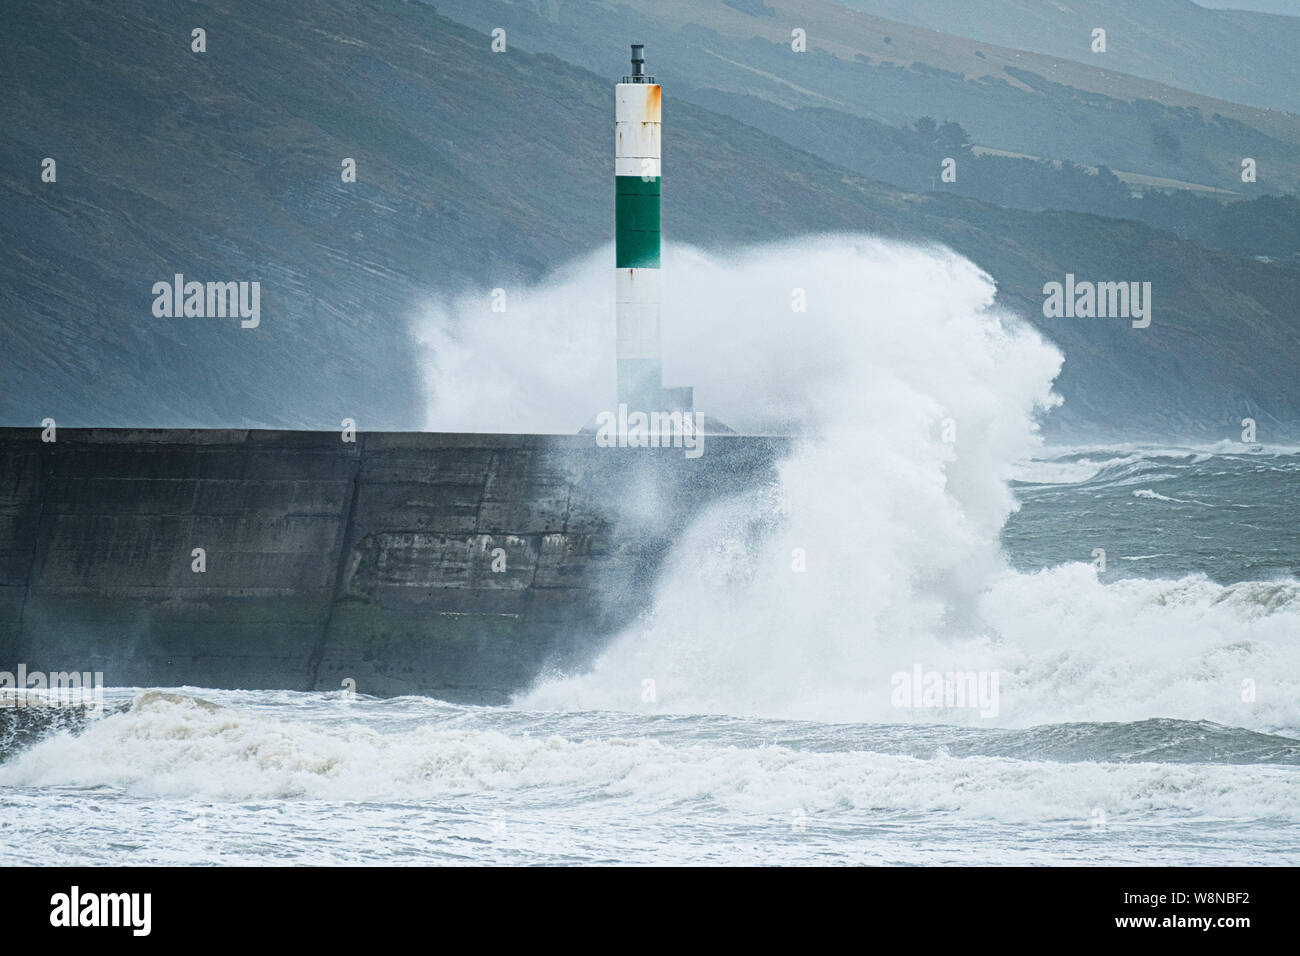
point(1246, 57)
point(890, 72)
point(226, 166)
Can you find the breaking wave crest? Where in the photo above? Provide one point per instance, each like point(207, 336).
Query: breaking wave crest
point(303, 747)
point(917, 400)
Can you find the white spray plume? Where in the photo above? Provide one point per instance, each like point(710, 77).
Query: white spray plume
point(916, 398)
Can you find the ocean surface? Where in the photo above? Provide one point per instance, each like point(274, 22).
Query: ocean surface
point(1144, 712)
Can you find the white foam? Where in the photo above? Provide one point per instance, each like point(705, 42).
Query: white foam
point(873, 310)
point(171, 749)
point(1155, 496)
point(898, 529)
point(1048, 471)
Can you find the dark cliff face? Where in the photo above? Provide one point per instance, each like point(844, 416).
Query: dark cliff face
point(226, 166)
point(453, 565)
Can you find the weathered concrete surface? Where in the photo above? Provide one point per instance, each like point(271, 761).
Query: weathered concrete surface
point(328, 560)
point(27, 717)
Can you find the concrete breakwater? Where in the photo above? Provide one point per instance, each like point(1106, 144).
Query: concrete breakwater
point(456, 565)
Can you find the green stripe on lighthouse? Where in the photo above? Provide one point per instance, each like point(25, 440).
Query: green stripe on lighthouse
point(636, 222)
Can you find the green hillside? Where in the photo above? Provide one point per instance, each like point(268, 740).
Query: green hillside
point(225, 166)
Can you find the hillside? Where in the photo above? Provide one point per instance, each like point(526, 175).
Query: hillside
point(1231, 54)
point(865, 67)
point(226, 166)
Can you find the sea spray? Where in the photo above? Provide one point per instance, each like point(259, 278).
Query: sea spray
point(916, 400)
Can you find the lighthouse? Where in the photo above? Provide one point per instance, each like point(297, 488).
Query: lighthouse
point(638, 286)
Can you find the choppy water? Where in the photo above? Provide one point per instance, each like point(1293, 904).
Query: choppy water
point(1231, 513)
point(1123, 734)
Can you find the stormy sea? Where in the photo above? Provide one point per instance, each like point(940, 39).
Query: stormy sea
point(937, 637)
point(1148, 713)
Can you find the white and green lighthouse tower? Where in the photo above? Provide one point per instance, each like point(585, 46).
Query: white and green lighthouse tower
point(637, 124)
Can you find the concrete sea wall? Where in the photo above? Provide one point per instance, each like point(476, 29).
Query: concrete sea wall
point(326, 561)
